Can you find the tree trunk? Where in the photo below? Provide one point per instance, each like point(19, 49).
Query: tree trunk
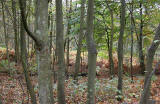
point(29, 21)
point(51, 30)
point(111, 63)
point(78, 55)
point(60, 52)
point(68, 32)
point(140, 41)
point(15, 31)
point(42, 49)
point(25, 67)
point(150, 56)
point(131, 59)
point(120, 49)
point(111, 46)
point(24, 63)
point(92, 53)
point(51, 20)
point(44, 61)
point(5, 35)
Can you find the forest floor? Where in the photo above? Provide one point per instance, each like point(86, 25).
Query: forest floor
point(13, 90)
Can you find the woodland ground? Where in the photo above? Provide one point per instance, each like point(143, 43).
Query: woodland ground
point(13, 88)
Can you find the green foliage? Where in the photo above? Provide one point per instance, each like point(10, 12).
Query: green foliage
point(2, 46)
point(33, 68)
point(154, 77)
point(4, 66)
point(103, 54)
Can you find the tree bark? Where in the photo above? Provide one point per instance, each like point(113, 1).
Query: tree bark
point(150, 56)
point(25, 62)
point(42, 49)
point(140, 41)
point(5, 35)
point(120, 49)
point(92, 53)
point(36, 39)
point(111, 63)
point(51, 29)
point(131, 59)
point(111, 47)
point(16, 37)
point(60, 52)
point(68, 32)
point(43, 54)
point(78, 55)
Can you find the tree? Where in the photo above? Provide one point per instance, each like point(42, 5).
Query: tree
point(120, 48)
point(140, 40)
point(42, 49)
point(111, 63)
point(131, 26)
point(150, 56)
point(25, 62)
point(16, 37)
point(68, 33)
point(60, 52)
point(43, 54)
point(92, 53)
point(78, 55)
point(5, 34)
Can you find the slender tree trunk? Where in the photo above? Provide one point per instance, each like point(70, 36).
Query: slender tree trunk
point(28, 43)
point(5, 34)
point(66, 44)
point(25, 62)
point(54, 56)
point(141, 56)
point(42, 49)
point(68, 32)
point(15, 31)
point(111, 46)
point(111, 63)
point(50, 27)
point(25, 67)
point(18, 32)
point(50, 52)
point(78, 55)
point(92, 53)
point(131, 59)
point(60, 52)
point(107, 39)
point(120, 49)
point(150, 56)
point(29, 20)
point(68, 51)
point(51, 39)
point(51, 31)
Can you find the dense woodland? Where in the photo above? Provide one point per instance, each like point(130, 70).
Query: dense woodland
point(79, 51)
